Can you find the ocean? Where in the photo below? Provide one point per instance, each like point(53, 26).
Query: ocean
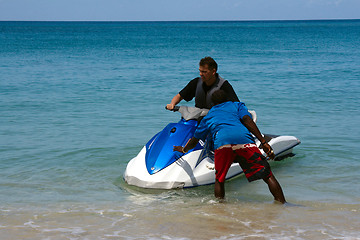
point(78, 100)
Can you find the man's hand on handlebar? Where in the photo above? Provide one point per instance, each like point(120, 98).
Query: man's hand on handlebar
point(170, 106)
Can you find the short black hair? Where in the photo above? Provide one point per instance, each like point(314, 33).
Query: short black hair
point(219, 96)
point(210, 62)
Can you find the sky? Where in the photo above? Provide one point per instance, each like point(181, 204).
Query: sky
point(176, 10)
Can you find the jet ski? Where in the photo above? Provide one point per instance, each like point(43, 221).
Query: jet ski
point(157, 166)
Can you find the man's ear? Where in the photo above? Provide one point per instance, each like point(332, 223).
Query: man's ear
point(213, 71)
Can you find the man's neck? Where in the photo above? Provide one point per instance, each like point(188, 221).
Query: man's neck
point(213, 80)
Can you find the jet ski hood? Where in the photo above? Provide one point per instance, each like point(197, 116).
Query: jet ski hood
point(159, 150)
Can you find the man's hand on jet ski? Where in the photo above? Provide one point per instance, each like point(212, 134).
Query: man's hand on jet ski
point(252, 127)
point(171, 107)
point(191, 143)
point(179, 149)
point(268, 150)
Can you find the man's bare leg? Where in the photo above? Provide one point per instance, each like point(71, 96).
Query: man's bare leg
point(275, 189)
point(219, 189)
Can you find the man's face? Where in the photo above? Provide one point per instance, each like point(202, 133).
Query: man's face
point(207, 75)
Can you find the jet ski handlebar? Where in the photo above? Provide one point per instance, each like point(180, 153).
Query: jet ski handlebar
point(190, 112)
point(175, 109)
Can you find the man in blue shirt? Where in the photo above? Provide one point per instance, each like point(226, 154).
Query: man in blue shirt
point(230, 125)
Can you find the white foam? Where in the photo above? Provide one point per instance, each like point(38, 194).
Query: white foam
point(31, 224)
point(73, 230)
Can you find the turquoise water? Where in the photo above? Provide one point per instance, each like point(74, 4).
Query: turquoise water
point(80, 99)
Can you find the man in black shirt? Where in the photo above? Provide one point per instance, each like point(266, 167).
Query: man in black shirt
point(202, 87)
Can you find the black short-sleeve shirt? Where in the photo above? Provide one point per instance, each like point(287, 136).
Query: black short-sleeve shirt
point(188, 92)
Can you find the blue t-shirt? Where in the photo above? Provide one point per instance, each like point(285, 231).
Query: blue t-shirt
point(223, 123)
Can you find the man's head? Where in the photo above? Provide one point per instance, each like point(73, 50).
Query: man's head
point(219, 96)
point(209, 62)
point(207, 69)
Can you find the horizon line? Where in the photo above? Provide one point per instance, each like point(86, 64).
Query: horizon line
point(243, 20)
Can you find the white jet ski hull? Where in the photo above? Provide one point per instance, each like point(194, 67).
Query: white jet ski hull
point(187, 171)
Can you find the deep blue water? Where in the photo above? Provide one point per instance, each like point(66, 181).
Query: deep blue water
point(78, 100)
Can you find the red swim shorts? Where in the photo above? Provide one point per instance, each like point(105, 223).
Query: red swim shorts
point(252, 162)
